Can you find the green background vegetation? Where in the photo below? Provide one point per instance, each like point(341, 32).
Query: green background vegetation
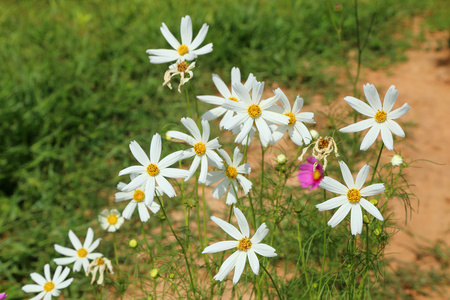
point(76, 86)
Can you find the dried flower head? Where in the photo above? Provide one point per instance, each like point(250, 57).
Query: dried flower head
point(180, 68)
point(322, 148)
point(100, 264)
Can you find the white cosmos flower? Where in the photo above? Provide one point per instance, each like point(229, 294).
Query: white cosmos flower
point(187, 50)
point(153, 171)
point(226, 94)
point(230, 174)
point(253, 110)
point(381, 116)
point(137, 196)
point(246, 247)
point(81, 254)
point(110, 220)
point(351, 198)
point(202, 149)
point(297, 130)
point(48, 286)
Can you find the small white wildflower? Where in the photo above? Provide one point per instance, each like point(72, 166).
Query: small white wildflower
point(281, 159)
point(396, 160)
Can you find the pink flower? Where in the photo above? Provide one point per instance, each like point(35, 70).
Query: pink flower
point(309, 177)
point(3, 296)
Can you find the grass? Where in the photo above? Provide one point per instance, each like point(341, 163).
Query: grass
point(76, 87)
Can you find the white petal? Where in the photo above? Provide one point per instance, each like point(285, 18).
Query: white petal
point(154, 207)
point(174, 173)
point(242, 93)
point(221, 188)
point(227, 266)
point(143, 212)
point(221, 87)
point(169, 37)
point(356, 219)
point(386, 135)
point(221, 246)
point(32, 288)
point(371, 209)
point(347, 175)
point(240, 265)
point(253, 260)
point(155, 149)
point(228, 228)
point(204, 50)
point(373, 189)
point(275, 118)
point(333, 186)
point(260, 234)
point(265, 135)
point(395, 128)
point(361, 177)
point(245, 183)
point(170, 159)
point(64, 260)
point(94, 245)
point(399, 112)
point(242, 222)
point(360, 106)
point(332, 203)
point(64, 284)
point(40, 296)
point(47, 274)
point(264, 250)
point(340, 214)
point(162, 59)
point(192, 127)
point(360, 126)
point(56, 275)
point(370, 137)
point(74, 240)
point(231, 196)
point(215, 100)
point(193, 167)
point(206, 131)
point(137, 182)
point(182, 136)
point(89, 238)
point(150, 190)
point(225, 156)
point(129, 209)
point(203, 169)
point(372, 96)
point(245, 130)
point(214, 114)
point(66, 251)
point(390, 99)
point(214, 158)
point(139, 153)
point(165, 186)
point(186, 30)
point(200, 37)
point(38, 278)
point(214, 177)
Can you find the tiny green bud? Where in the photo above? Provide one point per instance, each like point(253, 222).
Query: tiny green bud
point(377, 231)
point(133, 243)
point(191, 203)
point(374, 202)
point(315, 285)
point(172, 276)
point(366, 219)
point(154, 273)
point(298, 209)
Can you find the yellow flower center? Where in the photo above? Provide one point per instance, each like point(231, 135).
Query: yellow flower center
point(317, 175)
point(112, 219)
point(82, 252)
point(183, 49)
point(244, 244)
point(233, 99)
point(49, 286)
point(200, 148)
point(100, 261)
point(254, 110)
point(323, 144)
point(292, 118)
point(353, 195)
point(231, 172)
point(380, 116)
point(152, 170)
point(182, 66)
point(138, 195)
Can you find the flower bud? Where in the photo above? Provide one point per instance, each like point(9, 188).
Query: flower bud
point(281, 159)
point(366, 219)
point(377, 231)
point(133, 243)
point(154, 273)
point(315, 135)
point(374, 202)
point(396, 160)
point(172, 276)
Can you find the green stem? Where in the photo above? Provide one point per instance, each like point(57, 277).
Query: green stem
point(263, 150)
point(273, 282)
point(145, 241)
point(116, 258)
point(188, 103)
point(324, 245)
point(183, 250)
point(376, 165)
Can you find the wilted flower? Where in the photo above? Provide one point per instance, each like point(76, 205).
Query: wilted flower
point(396, 160)
point(187, 50)
point(47, 286)
point(381, 117)
point(180, 68)
point(246, 247)
point(323, 147)
point(110, 220)
point(100, 264)
point(309, 176)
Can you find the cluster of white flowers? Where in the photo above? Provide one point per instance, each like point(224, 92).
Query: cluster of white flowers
point(243, 112)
